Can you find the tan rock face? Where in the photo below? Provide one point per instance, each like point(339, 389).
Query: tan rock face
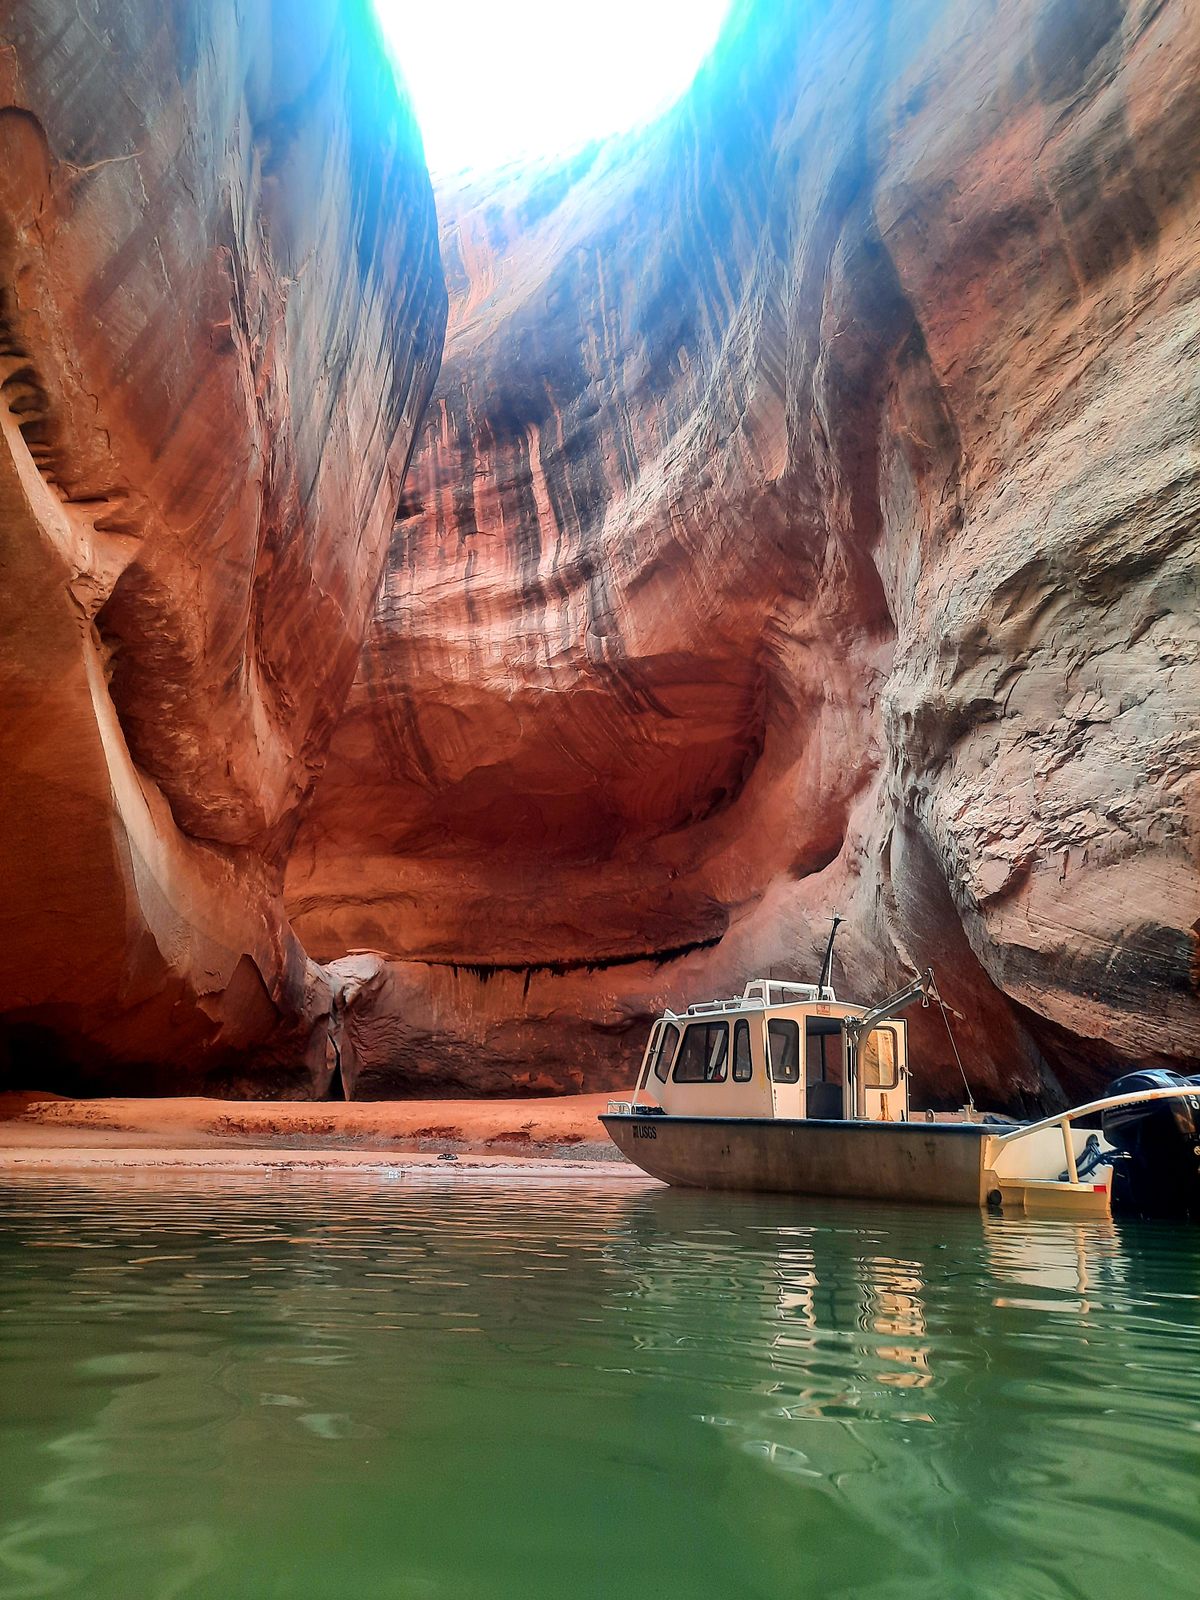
point(221, 310)
point(805, 521)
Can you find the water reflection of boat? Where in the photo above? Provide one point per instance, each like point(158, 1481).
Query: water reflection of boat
point(1060, 1265)
point(785, 1088)
point(788, 1285)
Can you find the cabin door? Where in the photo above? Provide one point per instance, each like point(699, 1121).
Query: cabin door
point(824, 1069)
point(882, 1088)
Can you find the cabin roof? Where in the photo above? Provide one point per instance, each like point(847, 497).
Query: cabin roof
point(760, 992)
point(763, 995)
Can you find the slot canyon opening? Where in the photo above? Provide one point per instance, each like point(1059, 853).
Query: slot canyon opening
point(494, 85)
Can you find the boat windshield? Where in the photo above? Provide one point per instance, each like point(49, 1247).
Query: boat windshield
point(702, 1053)
point(666, 1049)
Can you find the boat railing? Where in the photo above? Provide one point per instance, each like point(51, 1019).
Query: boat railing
point(702, 1007)
point(798, 993)
point(1112, 1102)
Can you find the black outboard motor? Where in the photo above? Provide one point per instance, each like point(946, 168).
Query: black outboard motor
point(1160, 1139)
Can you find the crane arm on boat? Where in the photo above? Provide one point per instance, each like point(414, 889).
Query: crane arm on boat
point(920, 989)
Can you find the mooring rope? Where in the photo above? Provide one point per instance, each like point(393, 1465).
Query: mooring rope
point(945, 1010)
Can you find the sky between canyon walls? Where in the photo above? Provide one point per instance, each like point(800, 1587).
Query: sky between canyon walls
point(493, 84)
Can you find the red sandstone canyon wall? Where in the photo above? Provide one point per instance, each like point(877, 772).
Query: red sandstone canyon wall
point(221, 311)
point(805, 521)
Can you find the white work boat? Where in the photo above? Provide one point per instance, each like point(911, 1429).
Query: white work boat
point(785, 1088)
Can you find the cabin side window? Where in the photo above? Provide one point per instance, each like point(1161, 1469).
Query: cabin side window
point(702, 1053)
point(877, 1059)
point(742, 1066)
point(783, 1050)
point(666, 1049)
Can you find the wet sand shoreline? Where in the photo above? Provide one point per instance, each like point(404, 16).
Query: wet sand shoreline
point(422, 1138)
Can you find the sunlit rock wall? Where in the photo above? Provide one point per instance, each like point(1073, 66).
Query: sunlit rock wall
point(805, 521)
point(221, 310)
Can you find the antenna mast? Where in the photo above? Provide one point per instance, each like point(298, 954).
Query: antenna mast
point(825, 981)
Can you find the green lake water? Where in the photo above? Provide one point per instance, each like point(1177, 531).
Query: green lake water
point(328, 1388)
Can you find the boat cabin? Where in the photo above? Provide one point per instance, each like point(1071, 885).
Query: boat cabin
point(785, 1089)
point(777, 1050)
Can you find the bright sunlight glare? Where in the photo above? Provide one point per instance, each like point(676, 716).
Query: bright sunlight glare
point(495, 81)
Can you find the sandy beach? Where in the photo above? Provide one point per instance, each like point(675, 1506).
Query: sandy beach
point(45, 1132)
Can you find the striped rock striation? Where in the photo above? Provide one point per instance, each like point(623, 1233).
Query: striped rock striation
point(805, 521)
point(221, 312)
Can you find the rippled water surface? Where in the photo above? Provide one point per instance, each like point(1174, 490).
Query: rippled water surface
point(308, 1386)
